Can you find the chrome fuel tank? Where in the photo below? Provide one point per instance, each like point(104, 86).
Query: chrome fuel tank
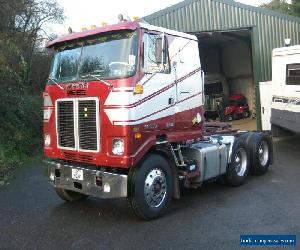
point(211, 158)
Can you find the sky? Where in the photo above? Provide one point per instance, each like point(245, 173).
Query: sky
point(94, 12)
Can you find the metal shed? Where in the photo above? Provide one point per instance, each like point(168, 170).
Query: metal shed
point(267, 30)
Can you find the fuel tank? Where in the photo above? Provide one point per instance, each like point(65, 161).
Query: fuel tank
point(211, 158)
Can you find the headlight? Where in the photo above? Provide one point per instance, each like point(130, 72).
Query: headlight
point(47, 140)
point(118, 146)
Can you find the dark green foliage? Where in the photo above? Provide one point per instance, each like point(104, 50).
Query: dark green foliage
point(24, 66)
point(278, 5)
point(20, 130)
point(296, 7)
point(283, 6)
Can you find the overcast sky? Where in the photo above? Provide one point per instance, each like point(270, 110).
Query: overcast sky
point(94, 12)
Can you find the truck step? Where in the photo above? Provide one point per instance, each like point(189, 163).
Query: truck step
point(178, 155)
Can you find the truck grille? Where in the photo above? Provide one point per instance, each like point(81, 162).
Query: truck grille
point(78, 124)
point(65, 124)
point(87, 125)
point(78, 157)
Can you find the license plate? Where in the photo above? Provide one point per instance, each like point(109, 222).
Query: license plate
point(77, 174)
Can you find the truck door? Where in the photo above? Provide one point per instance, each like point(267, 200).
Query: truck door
point(158, 83)
point(189, 86)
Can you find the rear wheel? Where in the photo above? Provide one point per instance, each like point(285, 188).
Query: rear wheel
point(260, 146)
point(229, 118)
point(151, 187)
point(70, 196)
point(238, 168)
point(246, 114)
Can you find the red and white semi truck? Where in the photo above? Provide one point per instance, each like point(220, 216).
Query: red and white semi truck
point(123, 117)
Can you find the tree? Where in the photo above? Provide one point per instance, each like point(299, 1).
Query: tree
point(278, 5)
point(24, 66)
point(31, 23)
point(295, 6)
point(284, 7)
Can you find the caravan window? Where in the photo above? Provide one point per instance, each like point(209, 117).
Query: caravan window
point(293, 74)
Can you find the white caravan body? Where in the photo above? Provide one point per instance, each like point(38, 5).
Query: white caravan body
point(285, 110)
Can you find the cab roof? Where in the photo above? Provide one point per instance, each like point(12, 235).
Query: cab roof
point(87, 33)
point(114, 27)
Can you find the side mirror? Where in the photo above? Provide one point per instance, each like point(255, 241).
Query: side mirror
point(158, 49)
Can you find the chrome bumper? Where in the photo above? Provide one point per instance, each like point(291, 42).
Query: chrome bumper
point(108, 185)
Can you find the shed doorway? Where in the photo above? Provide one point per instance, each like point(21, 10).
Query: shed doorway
point(226, 58)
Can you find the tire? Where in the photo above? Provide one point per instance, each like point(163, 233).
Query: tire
point(261, 153)
point(238, 168)
point(229, 118)
point(70, 196)
point(151, 187)
point(246, 114)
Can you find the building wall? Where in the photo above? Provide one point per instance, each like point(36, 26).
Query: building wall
point(237, 60)
point(210, 60)
point(270, 28)
point(236, 68)
point(238, 71)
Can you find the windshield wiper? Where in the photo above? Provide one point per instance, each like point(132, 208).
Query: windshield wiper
point(99, 79)
point(55, 82)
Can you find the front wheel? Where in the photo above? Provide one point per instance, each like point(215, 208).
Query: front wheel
point(151, 187)
point(69, 195)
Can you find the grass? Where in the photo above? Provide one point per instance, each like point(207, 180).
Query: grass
point(7, 171)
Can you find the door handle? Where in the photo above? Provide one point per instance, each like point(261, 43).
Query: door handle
point(171, 101)
point(263, 110)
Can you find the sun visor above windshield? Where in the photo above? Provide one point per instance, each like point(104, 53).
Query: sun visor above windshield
point(78, 35)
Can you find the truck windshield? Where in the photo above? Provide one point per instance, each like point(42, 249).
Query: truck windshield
point(108, 56)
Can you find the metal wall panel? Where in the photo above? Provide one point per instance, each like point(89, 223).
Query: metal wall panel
point(209, 15)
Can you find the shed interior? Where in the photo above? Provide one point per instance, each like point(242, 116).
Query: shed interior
point(226, 57)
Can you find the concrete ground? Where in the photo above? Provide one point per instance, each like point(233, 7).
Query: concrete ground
point(33, 217)
point(244, 124)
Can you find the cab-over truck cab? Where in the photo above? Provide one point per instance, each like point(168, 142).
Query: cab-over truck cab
point(123, 117)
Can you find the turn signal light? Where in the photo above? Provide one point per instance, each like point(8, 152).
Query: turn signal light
point(48, 107)
point(47, 100)
point(137, 135)
point(138, 89)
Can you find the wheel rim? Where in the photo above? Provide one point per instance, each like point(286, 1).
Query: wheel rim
point(155, 188)
point(240, 162)
point(263, 153)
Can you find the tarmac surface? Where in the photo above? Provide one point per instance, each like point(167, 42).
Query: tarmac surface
point(32, 216)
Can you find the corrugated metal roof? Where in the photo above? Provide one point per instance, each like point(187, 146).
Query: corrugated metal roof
point(271, 28)
point(229, 2)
